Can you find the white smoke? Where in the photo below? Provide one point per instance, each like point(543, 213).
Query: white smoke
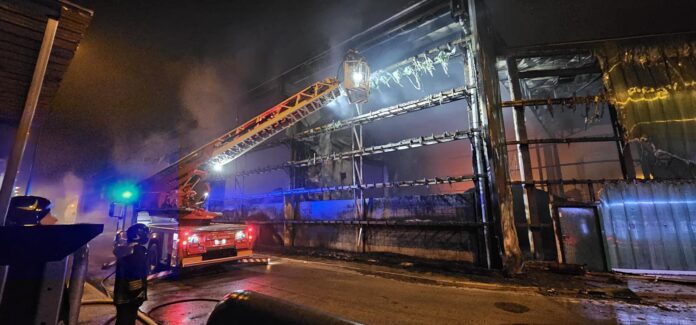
point(144, 158)
point(209, 98)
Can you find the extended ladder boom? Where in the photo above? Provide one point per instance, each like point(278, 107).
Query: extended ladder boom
point(180, 184)
point(244, 138)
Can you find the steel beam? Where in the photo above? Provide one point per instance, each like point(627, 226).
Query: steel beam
point(405, 144)
point(580, 47)
point(568, 181)
point(264, 170)
point(541, 167)
point(549, 102)
point(430, 101)
point(564, 140)
point(393, 184)
point(568, 72)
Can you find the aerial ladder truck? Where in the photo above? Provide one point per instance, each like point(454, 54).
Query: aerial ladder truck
point(183, 232)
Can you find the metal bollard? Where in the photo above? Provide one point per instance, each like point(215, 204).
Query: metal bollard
point(77, 283)
point(251, 307)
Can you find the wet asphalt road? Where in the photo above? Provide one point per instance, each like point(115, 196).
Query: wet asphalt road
point(376, 300)
point(369, 299)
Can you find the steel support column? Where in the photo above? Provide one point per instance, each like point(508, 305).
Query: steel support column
point(289, 214)
point(290, 210)
point(493, 131)
point(477, 156)
point(358, 192)
point(623, 149)
point(531, 210)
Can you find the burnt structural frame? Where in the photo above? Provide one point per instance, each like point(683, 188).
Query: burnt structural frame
point(491, 174)
point(520, 104)
point(434, 100)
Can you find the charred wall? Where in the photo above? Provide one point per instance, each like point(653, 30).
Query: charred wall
point(441, 227)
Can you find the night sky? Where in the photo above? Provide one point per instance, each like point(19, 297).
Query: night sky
point(152, 77)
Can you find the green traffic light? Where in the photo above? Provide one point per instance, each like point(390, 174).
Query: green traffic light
point(127, 194)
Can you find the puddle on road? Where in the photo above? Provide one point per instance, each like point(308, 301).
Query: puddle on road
point(511, 307)
point(191, 312)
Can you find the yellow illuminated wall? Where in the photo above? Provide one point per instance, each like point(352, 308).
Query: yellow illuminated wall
point(653, 87)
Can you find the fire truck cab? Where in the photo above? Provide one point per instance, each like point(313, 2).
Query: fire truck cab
point(183, 242)
point(181, 238)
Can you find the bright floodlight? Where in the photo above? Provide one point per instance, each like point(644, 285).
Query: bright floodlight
point(357, 77)
point(217, 167)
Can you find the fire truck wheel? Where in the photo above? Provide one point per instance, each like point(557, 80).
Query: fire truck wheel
point(153, 258)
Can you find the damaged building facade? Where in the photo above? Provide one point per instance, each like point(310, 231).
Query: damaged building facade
point(559, 146)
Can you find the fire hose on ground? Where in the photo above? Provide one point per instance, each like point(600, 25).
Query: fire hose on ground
point(143, 317)
point(240, 306)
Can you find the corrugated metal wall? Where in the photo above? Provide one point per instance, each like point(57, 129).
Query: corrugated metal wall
point(652, 84)
point(650, 225)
